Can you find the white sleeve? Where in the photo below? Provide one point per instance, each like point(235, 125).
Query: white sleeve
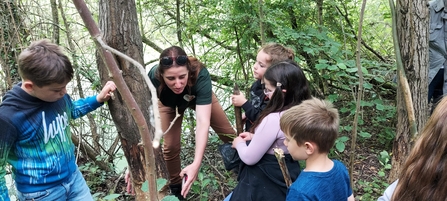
point(388, 192)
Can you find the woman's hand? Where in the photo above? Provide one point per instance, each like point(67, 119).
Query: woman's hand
point(190, 172)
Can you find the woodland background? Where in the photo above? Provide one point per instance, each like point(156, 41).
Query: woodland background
point(359, 74)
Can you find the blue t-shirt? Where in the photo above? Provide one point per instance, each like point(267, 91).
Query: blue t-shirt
point(333, 185)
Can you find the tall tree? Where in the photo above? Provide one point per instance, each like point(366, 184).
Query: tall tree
point(118, 21)
point(412, 34)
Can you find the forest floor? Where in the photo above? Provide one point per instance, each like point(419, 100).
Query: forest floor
point(368, 185)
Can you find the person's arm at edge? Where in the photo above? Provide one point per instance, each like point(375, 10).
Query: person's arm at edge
point(203, 116)
point(388, 192)
point(351, 198)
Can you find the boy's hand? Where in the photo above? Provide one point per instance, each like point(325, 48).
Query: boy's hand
point(238, 100)
point(106, 92)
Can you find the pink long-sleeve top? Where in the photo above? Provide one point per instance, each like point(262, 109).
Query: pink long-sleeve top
point(267, 136)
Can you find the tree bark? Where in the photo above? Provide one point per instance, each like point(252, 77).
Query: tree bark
point(412, 32)
point(238, 112)
point(14, 35)
point(118, 22)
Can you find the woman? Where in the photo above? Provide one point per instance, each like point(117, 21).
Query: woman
point(184, 82)
point(260, 177)
point(424, 174)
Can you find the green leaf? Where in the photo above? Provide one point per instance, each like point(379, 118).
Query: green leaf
point(111, 196)
point(341, 66)
point(340, 146)
point(332, 67)
point(365, 134)
point(200, 176)
point(367, 85)
point(161, 182)
point(206, 182)
point(145, 186)
point(333, 97)
point(170, 198)
point(343, 138)
point(379, 79)
point(380, 107)
point(321, 66)
point(352, 70)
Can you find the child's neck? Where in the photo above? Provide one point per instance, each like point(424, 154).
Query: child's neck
point(319, 163)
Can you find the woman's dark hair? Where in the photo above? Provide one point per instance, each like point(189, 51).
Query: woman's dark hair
point(289, 76)
point(193, 65)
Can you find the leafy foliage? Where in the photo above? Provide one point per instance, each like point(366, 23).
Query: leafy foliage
point(226, 36)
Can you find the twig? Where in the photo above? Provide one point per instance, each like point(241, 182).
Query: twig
point(158, 132)
point(177, 115)
point(279, 154)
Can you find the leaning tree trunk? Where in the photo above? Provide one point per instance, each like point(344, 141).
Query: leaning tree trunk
point(118, 22)
point(412, 32)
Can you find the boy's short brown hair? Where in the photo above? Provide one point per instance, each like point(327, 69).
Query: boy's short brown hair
point(313, 120)
point(44, 63)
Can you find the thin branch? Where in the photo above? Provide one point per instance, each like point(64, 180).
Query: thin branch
point(158, 132)
point(177, 115)
point(279, 154)
point(359, 96)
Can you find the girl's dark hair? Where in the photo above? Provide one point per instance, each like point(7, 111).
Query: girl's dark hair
point(292, 79)
point(193, 65)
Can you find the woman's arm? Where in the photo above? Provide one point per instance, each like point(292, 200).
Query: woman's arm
point(203, 116)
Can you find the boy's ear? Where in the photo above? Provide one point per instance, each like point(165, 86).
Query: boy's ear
point(310, 148)
point(27, 85)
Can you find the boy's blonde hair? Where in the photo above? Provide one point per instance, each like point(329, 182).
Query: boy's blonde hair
point(44, 63)
point(278, 52)
point(313, 120)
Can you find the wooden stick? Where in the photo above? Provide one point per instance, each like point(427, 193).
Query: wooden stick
point(238, 111)
point(279, 153)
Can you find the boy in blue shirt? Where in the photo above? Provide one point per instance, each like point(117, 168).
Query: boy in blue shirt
point(311, 129)
point(35, 131)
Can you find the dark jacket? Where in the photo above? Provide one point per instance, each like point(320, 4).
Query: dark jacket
point(254, 106)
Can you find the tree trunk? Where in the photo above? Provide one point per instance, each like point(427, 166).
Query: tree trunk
point(12, 39)
point(118, 22)
point(412, 31)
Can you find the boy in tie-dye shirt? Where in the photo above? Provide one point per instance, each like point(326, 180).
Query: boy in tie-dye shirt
point(35, 136)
